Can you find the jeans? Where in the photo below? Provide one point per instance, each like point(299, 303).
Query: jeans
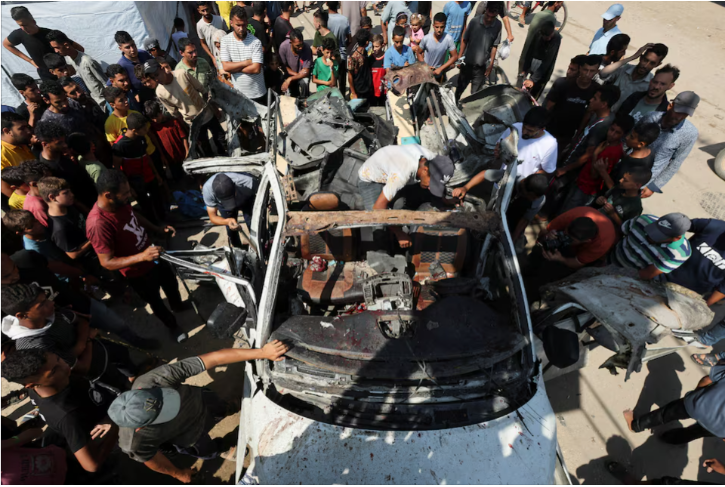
point(219, 136)
point(148, 287)
point(711, 335)
point(475, 75)
point(575, 198)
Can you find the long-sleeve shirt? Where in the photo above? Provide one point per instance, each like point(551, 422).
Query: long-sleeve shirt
point(92, 75)
point(670, 149)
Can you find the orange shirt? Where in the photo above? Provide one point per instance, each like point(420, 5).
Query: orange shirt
point(601, 244)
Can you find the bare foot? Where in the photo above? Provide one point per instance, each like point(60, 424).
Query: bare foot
point(629, 417)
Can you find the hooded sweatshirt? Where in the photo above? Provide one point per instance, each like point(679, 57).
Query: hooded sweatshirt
point(11, 327)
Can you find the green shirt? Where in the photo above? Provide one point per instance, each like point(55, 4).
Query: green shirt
point(93, 168)
point(203, 72)
point(317, 42)
point(322, 71)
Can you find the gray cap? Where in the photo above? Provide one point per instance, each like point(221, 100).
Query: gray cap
point(686, 102)
point(441, 171)
point(143, 407)
point(149, 44)
point(667, 227)
point(151, 66)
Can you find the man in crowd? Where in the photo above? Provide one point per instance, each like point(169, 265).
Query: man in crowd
point(676, 140)
point(642, 103)
point(119, 237)
point(608, 30)
point(616, 49)
point(62, 110)
point(259, 28)
point(197, 67)
point(540, 60)
point(632, 78)
point(457, 19)
point(340, 26)
point(283, 25)
point(153, 47)
point(502, 13)
point(162, 410)
point(225, 195)
point(131, 56)
point(526, 202)
point(354, 11)
point(14, 146)
point(94, 113)
point(387, 20)
point(33, 107)
point(206, 26)
point(479, 45)
point(359, 67)
point(242, 55)
point(547, 15)
point(434, 47)
point(87, 68)
point(296, 59)
point(118, 78)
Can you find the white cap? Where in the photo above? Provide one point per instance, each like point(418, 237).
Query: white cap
point(615, 10)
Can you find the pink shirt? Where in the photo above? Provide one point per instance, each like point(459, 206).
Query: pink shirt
point(38, 207)
point(416, 37)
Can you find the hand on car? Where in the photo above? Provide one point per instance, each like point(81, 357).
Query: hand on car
point(151, 253)
point(528, 84)
point(186, 474)
point(168, 229)
point(274, 350)
point(459, 193)
point(714, 465)
point(554, 256)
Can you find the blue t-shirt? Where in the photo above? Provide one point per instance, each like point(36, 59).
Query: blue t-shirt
point(49, 250)
point(143, 56)
point(704, 271)
point(395, 58)
point(707, 404)
point(456, 16)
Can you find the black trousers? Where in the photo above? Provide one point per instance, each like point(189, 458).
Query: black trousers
point(219, 136)
point(475, 75)
point(538, 271)
point(150, 198)
point(342, 76)
point(673, 411)
point(148, 287)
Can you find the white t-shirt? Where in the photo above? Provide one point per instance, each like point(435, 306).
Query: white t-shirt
point(206, 31)
point(534, 154)
point(395, 166)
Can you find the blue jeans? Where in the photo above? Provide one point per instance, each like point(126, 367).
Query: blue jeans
point(712, 335)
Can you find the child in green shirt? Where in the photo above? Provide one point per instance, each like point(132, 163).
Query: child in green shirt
point(82, 151)
point(325, 70)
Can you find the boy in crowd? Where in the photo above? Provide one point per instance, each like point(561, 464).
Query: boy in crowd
point(324, 73)
point(399, 55)
point(33, 106)
point(479, 44)
point(172, 134)
point(153, 47)
point(340, 26)
point(68, 225)
point(638, 153)
point(82, 153)
point(434, 47)
point(35, 235)
point(14, 144)
point(14, 177)
point(118, 77)
point(320, 19)
point(624, 202)
point(359, 67)
point(59, 68)
point(526, 203)
point(273, 75)
point(377, 62)
point(33, 171)
point(132, 56)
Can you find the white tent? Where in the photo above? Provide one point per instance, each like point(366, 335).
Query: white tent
point(92, 25)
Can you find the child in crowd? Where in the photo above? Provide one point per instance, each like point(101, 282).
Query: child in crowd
point(273, 75)
point(398, 55)
point(130, 155)
point(377, 60)
point(68, 225)
point(416, 31)
point(33, 171)
point(35, 235)
point(592, 176)
point(402, 20)
point(118, 78)
point(222, 75)
point(324, 72)
point(146, 81)
point(82, 153)
point(15, 178)
point(172, 134)
point(637, 151)
point(624, 201)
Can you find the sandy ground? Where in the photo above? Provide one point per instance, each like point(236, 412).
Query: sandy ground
point(588, 403)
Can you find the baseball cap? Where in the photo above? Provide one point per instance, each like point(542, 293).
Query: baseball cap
point(150, 44)
point(615, 10)
point(224, 189)
point(441, 171)
point(686, 102)
point(668, 226)
point(142, 407)
point(151, 66)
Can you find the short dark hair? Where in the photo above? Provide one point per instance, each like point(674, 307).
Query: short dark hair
point(152, 108)
point(625, 121)
point(547, 28)
point(592, 60)
point(45, 130)
point(640, 175)
point(238, 12)
point(7, 119)
point(66, 81)
point(362, 37)
point(660, 49)
point(493, 7)
point(398, 30)
point(13, 175)
point(328, 44)
point(668, 68)
point(365, 21)
point(578, 60)
point(287, 5)
point(583, 228)
point(78, 142)
point(21, 81)
point(54, 61)
point(51, 87)
point(19, 13)
point(322, 17)
point(114, 70)
point(122, 37)
point(295, 35)
point(609, 94)
point(51, 186)
point(111, 94)
point(333, 6)
point(537, 184)
point(183, 43)
point(203, 4)
point(440, 17)
point(647, 132)
point(259, 8)
point(22, 364)
point(57, 36)
point(618, 42)
point(537, 117)
point(178, 22)
point(110, 181)
point(136, 121)
point(17, 221)
point(33, 171)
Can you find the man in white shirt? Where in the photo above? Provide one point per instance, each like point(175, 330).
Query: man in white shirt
point(537, 150)
point(608, 30)
point(207, 25)
point(242, 55)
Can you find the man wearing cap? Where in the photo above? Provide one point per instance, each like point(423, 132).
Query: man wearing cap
point(608, 30)
point(153, 47)
point(653, 245)
point(676, 140)
point(161, 410)
point(225, 194)
point(404, 176)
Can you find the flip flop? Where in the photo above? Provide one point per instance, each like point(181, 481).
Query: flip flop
point(705, 359)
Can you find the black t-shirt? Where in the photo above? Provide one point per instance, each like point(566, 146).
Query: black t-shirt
point(22, 110)
point(72, 413)
point(80, 182)
point(282, 28)
point(628, 163)
point(424, 8)
point(627, 207)
point(37, 44)
point(68, 231)
point(259, 30)
point(60, 338)
point(571, 104)
point(130, 148)
point(273, 79)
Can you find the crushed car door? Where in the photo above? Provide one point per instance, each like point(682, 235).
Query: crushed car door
point(503, 190)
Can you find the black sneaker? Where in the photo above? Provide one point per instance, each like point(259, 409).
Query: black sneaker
point(178, 334)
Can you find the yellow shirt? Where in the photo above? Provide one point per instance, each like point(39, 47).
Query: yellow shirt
point(225, 8)
point(116, 126)
point(13, 155)
point(16, 201)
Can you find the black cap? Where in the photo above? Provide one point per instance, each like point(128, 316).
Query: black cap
point(224, 189)
point(151, 66)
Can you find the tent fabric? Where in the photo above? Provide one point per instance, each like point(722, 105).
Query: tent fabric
point(92, 25)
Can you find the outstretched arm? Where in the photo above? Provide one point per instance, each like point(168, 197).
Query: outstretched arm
point(274, 350)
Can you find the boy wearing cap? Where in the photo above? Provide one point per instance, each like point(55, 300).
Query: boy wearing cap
point(608, 30)
point(676, 140)
point(225, 194)
point(153, 47)
point(653, 245)
point(161, 409)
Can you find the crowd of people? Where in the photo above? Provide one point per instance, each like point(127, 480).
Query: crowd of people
point(87, 142)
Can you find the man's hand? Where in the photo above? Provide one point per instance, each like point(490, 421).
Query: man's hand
point(560, 172)
point(353, 96)
point(646, 192)
point(285, 85)
point(459, 193)
point(100, 430)
point(438, 71)
point(406, 64)
point(488, 70)
point(403, 238)
point(608, 208)
point(601, 200)
point(600, 165)
point(714, 465)
point(32, 106)
point(642, 49)
point(528, 84)
point(233, 224)
point(510, 37)
point(274, 350)
point(168, 229)
point(151, 253)
point(554, 256)
point(185, 475)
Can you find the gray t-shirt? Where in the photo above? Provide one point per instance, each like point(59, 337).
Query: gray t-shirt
point(641, 109)
point(436, 50)
point(185, 429)
point(480, 39)
point(340, 26)
point(351, 10)
point(707, 404)
point(246, 185)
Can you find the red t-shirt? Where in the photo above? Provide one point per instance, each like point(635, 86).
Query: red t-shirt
point(600, 245)
point(378, 75)
point(120, 233)
point(38, 207)
point(136, 162)
point(171, 134)
point(592, 184)
point(33, 466)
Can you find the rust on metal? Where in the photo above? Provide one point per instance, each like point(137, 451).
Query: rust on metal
point(404, 78)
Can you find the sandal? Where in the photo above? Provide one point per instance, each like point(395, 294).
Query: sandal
point(705, 359)
point(617, 470)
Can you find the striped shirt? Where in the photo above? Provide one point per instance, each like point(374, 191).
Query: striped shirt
point(636, 251)
point(236, 51)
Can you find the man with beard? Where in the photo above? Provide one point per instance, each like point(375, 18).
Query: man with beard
point(76, 93)
point(642, 103)
point(608, 30)
point(131, 58)
point(33, 107)
point(206, 26)
point(548, 14)
point(242, 56)
point(16, 135)
point(540, 60)
point(193, 64)
point(296, 62)
point(633, 78)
